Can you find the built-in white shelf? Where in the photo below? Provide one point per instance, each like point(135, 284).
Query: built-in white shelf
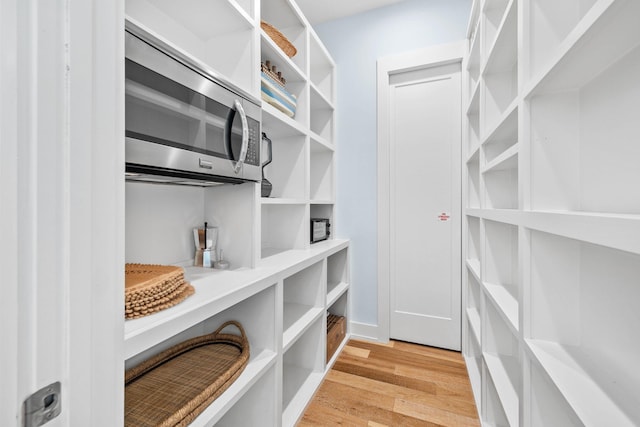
point(303, 370)
point(217, 290)
point(260, 362)
point(473, 316)
point(502, 53)
point(296, 398)
point(508, 393)
point(473, 65)
point(505, 304)
point(493, 412)
point(508, 160)
point(207, 31)
point(474, 100)
point(567, 53)
point(611, 230)
point(322, 67)
point(336, 292)
point(474, 267)
point(280, 285)
point(572, 370)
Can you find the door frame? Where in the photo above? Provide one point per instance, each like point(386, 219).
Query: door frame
point(433, 56)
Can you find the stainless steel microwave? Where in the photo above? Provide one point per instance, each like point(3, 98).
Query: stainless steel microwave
point(184, 125)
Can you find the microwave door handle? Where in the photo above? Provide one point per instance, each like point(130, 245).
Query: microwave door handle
point(245, 136)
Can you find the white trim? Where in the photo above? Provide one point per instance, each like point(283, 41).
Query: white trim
point(425, 58)
point(10, 402)
point(365, 331)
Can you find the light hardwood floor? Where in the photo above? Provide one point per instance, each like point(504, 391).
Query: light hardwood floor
point(397, 384)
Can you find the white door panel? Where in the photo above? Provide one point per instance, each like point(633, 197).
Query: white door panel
point(424, 107)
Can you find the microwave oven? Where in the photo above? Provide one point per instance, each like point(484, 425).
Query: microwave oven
point(184, 124)
point(320, 229)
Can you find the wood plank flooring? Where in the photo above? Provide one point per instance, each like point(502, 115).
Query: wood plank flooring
point(395, 384)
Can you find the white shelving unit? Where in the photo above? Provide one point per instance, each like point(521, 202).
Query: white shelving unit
point(280, 286)
point(552, 212)
point(218, 34)
point(302, 172)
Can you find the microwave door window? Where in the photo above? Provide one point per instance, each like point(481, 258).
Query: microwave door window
point(217, 131)
point(163, 111)
point(160, 110)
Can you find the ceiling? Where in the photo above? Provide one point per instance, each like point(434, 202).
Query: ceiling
point(327, 10)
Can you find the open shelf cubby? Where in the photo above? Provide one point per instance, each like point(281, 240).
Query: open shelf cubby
point(473, 360)
point(321, 68)
point(581, 155)
point(474, 306)
point(502, 137)
point(287, 171)
point(493, 413)
point(218, 34)
point(493, 12)
point(284, 227)
point(322, 112)
point(287, 18)
point(296, 83)
point(257, 316)
point(303, 368)
point(550, 24)
point(337, 274)
point(303, 301)
point(501, 352)
point(500, 73)
point(546, 403)
point(474, 244)
point(321, 172)
point(257, 406)
point(500, 272)
point(473, 117)
point(473, 65)
point(473, 175)
point(583, 317)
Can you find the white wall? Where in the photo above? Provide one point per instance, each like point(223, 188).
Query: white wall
point(356, 43)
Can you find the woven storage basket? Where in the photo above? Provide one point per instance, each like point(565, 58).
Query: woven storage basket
point(279, 39)
point(174, 387)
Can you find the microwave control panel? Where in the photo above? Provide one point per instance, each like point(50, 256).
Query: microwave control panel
point(253, 147)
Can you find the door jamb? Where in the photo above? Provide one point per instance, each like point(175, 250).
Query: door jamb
point(425, 58)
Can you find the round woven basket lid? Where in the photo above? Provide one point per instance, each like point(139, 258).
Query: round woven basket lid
point(140, 276)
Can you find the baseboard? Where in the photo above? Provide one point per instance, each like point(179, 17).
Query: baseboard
point(365, 331)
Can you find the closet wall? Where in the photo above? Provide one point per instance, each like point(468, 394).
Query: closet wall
point(552, 224)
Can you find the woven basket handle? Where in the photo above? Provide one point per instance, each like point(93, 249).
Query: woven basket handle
point(234, 323)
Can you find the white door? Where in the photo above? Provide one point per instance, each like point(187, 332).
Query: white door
point(424, 132)
point(61, 212)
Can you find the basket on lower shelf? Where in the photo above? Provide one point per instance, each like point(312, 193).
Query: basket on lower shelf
point(336, 331)
point(175, 386)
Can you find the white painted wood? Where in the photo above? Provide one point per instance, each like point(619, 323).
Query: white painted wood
point(559, 257)
point(430, 57)
point(10, 313)
point(425, 280)
point(61, 144)
point(425, 296)
point(220, 35)
point(253, 408)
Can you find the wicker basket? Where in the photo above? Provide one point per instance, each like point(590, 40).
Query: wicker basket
point(174, 387)
point(282, 42)
point(150, 288)
point(336, 331)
